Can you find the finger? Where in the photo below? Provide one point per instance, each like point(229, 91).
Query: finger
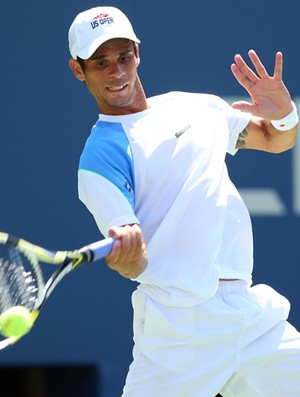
point(241, 78)
point(135, 241)
point(259, 67)
point(278, 66)
point(130, 238)
point(244, 106)
point(115, 232)
point(245, 70)
point(114, 256)
point(127, 239)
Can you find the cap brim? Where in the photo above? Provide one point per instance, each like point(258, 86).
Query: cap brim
point(87, 51)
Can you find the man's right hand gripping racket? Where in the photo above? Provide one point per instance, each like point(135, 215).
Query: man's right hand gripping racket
point(23, 291)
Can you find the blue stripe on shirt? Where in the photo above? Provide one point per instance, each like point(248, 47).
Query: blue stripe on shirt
point(107, 152)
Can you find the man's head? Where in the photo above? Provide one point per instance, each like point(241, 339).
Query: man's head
point(105, 55)
point(93, 27)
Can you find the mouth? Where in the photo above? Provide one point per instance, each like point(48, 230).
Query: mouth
point(117, 89)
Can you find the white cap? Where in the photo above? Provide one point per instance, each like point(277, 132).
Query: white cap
point(94, 27)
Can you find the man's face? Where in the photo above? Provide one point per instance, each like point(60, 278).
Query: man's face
point(111, 77)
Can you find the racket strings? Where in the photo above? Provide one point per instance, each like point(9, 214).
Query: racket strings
point(39, 280)
point(6, 299)
point(17, 287)
point(18, 281)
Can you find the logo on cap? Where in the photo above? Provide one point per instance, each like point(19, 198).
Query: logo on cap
point(101, 19)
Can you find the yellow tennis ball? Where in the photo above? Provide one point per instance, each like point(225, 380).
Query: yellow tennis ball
point(15, 321)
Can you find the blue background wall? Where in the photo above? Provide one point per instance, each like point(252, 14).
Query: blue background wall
point(46, 117)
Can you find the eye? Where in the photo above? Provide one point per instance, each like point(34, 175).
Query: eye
point(125, 58)
point(101, 63)
point(98, 63)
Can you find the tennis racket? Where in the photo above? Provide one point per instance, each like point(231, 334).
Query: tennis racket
point(21, 277)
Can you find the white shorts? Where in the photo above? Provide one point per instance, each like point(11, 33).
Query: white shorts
point(238, 344)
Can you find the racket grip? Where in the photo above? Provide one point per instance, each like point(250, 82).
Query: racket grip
point(102, 248)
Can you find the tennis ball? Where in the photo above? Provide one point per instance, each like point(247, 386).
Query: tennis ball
point(15, 321)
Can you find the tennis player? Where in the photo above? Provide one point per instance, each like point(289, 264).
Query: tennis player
point(153, 175)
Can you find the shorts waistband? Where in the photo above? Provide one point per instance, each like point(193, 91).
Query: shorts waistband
point(233, 287)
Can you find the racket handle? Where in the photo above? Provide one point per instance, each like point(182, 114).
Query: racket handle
point(101, 248)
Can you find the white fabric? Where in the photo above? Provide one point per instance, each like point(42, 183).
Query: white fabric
point(237, 344)
point(93, 190)
point(93, 27)
point(195, 224)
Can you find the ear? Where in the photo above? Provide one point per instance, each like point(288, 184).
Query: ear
point(76, 69)
point(137, 54)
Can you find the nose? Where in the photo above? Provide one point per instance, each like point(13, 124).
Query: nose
point(117, 70)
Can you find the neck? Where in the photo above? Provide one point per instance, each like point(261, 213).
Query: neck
point(137, 102)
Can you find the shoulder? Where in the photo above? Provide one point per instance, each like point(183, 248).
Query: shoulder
point(190, 99)
point(107, 144)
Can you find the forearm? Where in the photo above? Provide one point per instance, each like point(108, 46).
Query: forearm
point(260, 134)
point(284, 131)
point(278, 141)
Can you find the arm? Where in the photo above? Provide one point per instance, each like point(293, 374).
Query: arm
point(110, 206)
point(128, 256)
point(271, 101)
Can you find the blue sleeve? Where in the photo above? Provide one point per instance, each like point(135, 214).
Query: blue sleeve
point(108, 153)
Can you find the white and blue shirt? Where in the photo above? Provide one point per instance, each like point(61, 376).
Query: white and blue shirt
point(164, 168)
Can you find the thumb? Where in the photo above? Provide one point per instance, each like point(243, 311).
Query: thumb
point(243, 106)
